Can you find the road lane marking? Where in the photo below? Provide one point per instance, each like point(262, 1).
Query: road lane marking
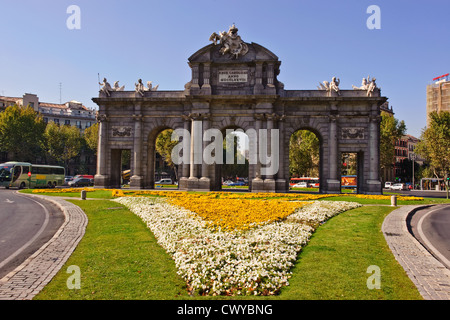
point(18, 251)
point(428, 243)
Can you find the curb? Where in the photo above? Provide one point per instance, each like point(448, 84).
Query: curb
point(429, 275)
point(28, 279)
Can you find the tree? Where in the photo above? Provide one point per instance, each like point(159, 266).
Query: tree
point(240, 165)
point(62, 142)
point(164, 146)
point(91, 137)
point(435, 143)
point(21, 133)
point(391, 129)
point(304, 154)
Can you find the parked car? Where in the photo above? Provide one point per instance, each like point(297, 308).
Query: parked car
point(388, 185)
point(237, 184)
point(67, 179)
point(398, 186)
point(164, 181)
point(302, 184)
point(81, 182)
point(226, 183)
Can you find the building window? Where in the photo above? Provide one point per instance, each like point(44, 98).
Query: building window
point(79, 124)
point(45, 120)
point(56, 121)
point(67, 122)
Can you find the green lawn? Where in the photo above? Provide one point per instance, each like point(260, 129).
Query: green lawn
point(120, 259)
point(334, 263)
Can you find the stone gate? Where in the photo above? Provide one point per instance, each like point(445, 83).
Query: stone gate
point(234, 84)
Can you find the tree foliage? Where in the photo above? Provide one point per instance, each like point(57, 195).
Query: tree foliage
point(21, 132)
point(91, 137)
point(164, 146)
point(62, 142)
point(304, 150)
point(435, 143)
point(391, 129)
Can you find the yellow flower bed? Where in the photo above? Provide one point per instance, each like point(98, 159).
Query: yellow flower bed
point(236, 214)
point(68, 190)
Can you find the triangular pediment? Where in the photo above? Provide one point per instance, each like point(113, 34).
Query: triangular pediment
point(212, 53)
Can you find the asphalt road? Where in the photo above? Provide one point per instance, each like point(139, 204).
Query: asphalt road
point(25, 225)
point(419, 193)
point(431, 227)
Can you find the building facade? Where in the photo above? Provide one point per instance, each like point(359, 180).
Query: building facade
point(70, 113)
point(234, 84)
point(438, 96)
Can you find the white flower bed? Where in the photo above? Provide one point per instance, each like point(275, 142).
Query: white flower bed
point(216, 263)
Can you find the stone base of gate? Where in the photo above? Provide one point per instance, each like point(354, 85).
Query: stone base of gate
point(136, 182)
point(373, 187)
point(195, 184)
point(282, 185)
point(101, 181)
point(334, 186)
point(263, 185)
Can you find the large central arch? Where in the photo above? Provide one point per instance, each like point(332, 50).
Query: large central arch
point(240, 88)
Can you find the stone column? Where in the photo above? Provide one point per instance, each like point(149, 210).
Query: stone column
point(257, 182)
point(102, 177)
point(333, 182)
point(205, 181)
point(281, 182)
point(196, 151)
point(136, 180)
point(185, 166)
point(373, 182)
point(269, 181)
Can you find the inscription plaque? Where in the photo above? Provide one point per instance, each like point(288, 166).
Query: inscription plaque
point(232, 76)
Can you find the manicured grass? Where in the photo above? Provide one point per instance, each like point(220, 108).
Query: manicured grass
point(97, 194)
point(334, 263)
point(119, 258)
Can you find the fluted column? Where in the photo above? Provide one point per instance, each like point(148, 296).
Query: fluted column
point(333, 183)
point(102, 177)
point(136, 180)
point(374, 183)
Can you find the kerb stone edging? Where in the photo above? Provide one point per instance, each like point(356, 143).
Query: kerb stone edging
point(28, 279)
point(430, 276)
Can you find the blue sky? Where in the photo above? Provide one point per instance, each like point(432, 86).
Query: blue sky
point(152, 40)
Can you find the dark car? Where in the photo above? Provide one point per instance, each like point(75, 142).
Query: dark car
point(237, 184)
point(80, 182)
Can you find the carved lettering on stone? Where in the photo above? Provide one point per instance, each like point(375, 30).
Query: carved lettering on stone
point(352, 133)
point(121, 131)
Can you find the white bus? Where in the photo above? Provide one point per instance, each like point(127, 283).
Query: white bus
point(26, 175)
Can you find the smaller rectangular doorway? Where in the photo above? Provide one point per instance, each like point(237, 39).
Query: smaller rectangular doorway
point(120, 163)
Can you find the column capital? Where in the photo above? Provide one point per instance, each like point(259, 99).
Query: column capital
point(333, 118)
point(101, 117)
point(375, 118)
point(259, 116)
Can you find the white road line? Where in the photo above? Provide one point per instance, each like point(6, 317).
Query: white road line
point(428, 243)
point(18, 251)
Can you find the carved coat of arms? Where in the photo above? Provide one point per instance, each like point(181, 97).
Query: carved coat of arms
point(230, 42)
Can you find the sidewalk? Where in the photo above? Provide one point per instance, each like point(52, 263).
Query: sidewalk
point(33, 274)
point(430, 276)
